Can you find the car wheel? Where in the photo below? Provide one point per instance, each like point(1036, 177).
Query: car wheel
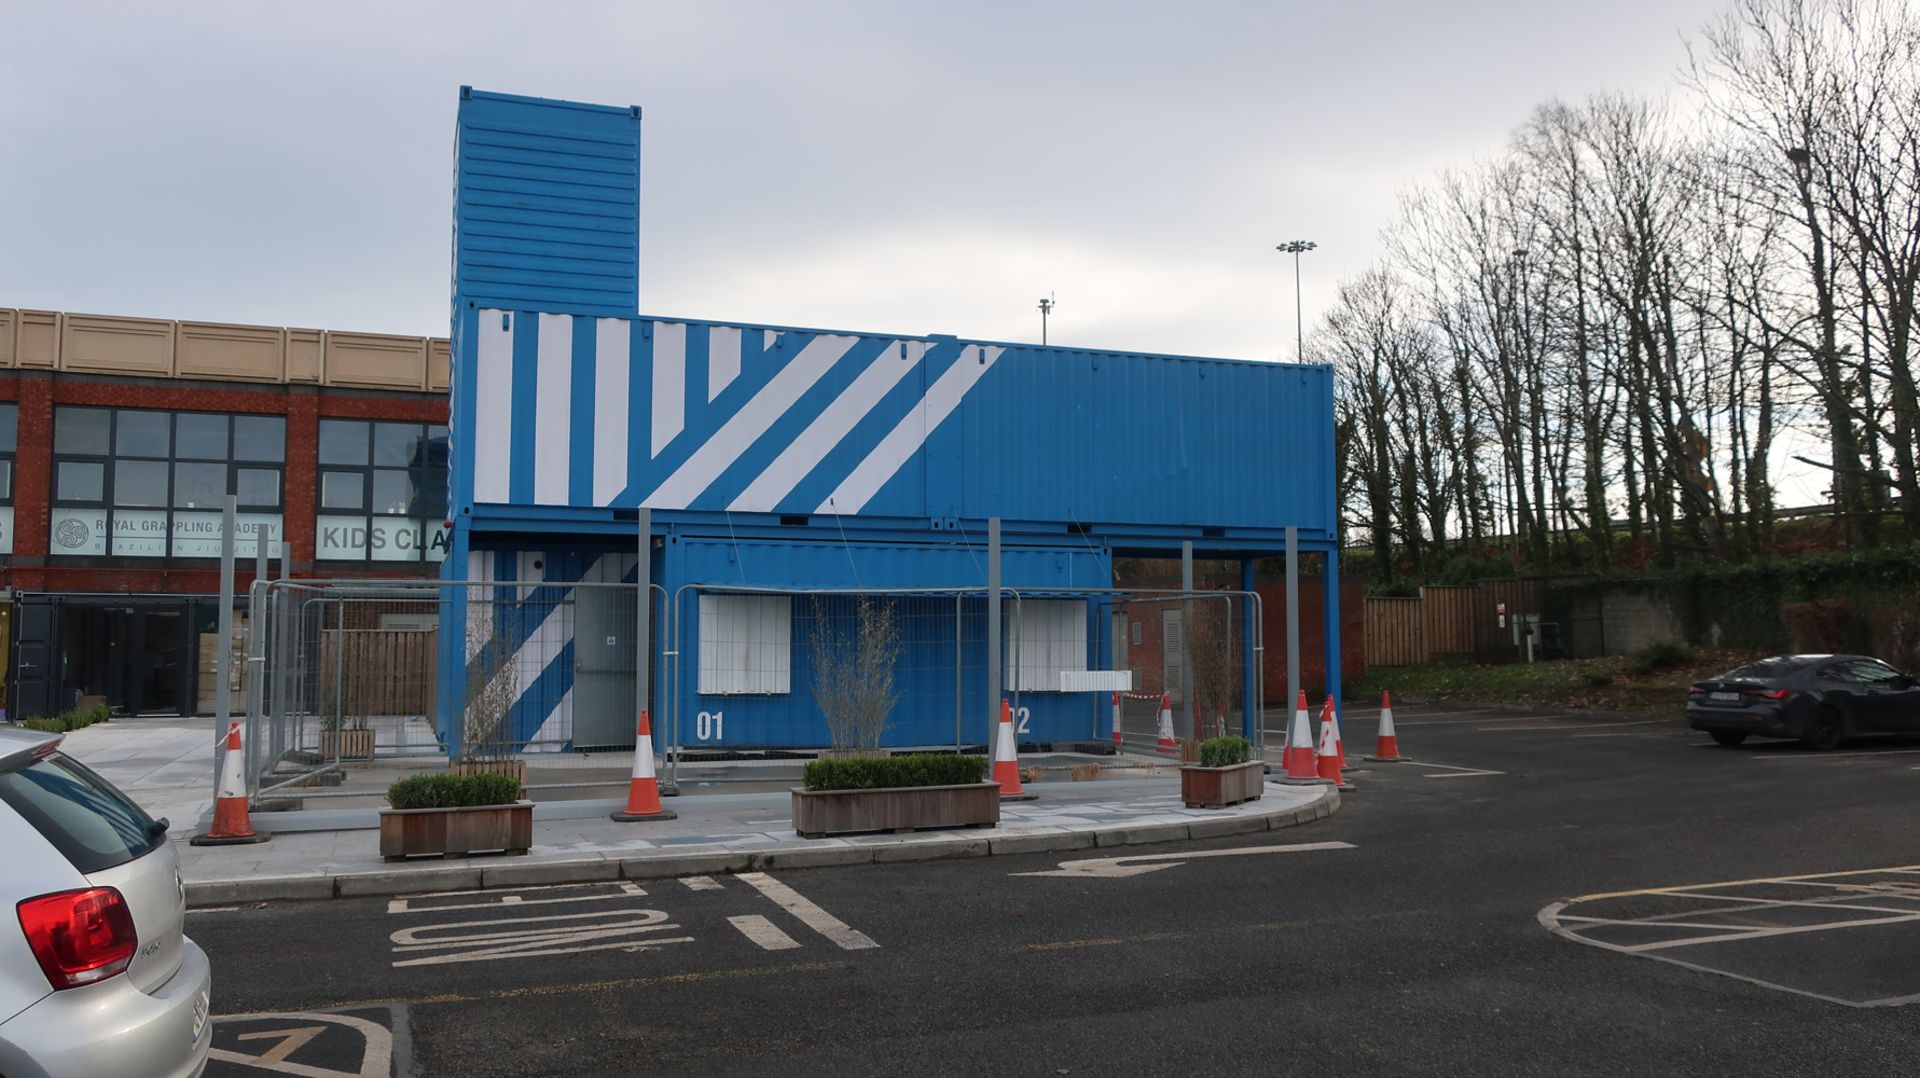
point(1824, 731)
point(1729, 739)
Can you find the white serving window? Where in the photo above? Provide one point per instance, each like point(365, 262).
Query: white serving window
point(746, 644)
point(1051, 638)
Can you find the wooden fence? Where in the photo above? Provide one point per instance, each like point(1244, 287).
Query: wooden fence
point(1447, 621)
point(377, 672)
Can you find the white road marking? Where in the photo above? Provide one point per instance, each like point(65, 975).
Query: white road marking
point(376, 1059)
point(1563, 727)
point(214, 909)
point(496, 900)
point(1457, 772)
point(1468, 722)
point(809, 914)
point(1814, 757)
point(763, 932)
point(701, 883)
point(1138, 864)
point(564, 933)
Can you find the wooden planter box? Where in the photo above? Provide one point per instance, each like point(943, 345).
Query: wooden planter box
point(347, 744)
point(513, 769)
point(1218, 787)
point(456, 832)
point(817, 813)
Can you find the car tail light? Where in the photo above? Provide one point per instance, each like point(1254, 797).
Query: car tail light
point(1770, 694)
point(79, 937)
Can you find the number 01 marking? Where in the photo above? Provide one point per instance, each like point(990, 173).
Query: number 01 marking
point(708, 726)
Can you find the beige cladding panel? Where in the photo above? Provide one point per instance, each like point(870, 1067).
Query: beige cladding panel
point(303, 355)
point(9, 319)
point(38, 339)
point(101, 344)
point(439, 363)
point(375, 361)
point(232, 353)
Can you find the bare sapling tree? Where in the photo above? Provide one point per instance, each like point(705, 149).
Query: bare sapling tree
point(853, 670)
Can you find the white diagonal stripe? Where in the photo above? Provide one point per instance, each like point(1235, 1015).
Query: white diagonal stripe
point(723, 358)
point(612, 346)
point(669, 382)
point(493, 406)
point(826, 431)
point(553, 409)
point(692, 478)
point(911, 432)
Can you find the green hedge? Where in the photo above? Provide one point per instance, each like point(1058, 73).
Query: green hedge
point(884, 772)
point(453, 791)
point(67, 721)
point(1224, 751)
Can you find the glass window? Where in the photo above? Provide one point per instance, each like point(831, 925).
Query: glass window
point(343, 441)
point(9, 426)
point(396, 445)
point(257, 486)
point(80, 481)
point(1873, 672)
point(6, 480)
point(259, 437)
point(81, 430)
point(430, 496)
point(436, 447)
point(198, 436)
point(140, 434)
point(93, 825)
point(140, 483)
point(199, 486)
point(392, 492)
point(343, 490)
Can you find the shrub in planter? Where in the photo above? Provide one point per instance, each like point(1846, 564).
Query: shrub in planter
point(455, 815)
point(894, 793)
point(1224, 775)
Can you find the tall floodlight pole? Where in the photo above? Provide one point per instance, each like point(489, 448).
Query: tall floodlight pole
point(1046, 308)
point(1296, 248)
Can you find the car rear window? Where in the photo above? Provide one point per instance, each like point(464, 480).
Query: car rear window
point(92, 824)
point(1764, 669)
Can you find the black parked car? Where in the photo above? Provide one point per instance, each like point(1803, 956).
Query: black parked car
point(1820, 699)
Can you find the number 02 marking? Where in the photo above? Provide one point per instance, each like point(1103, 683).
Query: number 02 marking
point(709, 726)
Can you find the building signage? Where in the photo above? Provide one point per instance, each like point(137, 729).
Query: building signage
point(381, 539)
point(140, 533)
point(198, 535)
point(78, 531)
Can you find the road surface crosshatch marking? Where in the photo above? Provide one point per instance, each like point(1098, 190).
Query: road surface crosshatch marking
point(449, 927)
point(1775, 932)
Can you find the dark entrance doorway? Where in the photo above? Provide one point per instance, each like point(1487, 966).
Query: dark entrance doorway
point(136, 652)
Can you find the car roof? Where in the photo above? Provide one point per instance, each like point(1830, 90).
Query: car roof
point(19, 746)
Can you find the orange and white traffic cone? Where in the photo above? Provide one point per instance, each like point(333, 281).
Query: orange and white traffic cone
point(1006, 759)
point(1297, 757)
point(231, 827)
point(1339, 745)
point(1329, 755)
point(1118, 744)
point(1166, 746)
point(1387, 749)
point(643, 793)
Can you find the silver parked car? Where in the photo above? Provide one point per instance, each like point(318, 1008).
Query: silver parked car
point(97, 976)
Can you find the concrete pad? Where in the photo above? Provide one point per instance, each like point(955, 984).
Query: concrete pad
point(1134, 836)
point(402, 881)
point(258, 889)
point(942, 849)
point(532, 873)
point(668, 863)
point(1039, 841)
point(1220, 826)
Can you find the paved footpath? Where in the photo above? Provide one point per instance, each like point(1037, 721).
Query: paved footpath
point(166, 766)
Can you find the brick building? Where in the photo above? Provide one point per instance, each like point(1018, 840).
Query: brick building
point(119, 438)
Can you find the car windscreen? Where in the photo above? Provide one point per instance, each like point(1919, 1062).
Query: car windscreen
point(92, 824)
point(1765, 669)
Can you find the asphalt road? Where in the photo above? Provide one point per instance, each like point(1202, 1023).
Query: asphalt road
point(1440, 940)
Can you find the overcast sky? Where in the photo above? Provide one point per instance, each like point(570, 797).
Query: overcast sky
point(915, 167)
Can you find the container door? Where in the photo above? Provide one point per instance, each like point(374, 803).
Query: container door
point(34, 675)
point(604, 709)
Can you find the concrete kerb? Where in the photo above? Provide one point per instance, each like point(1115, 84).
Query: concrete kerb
point(668, 864)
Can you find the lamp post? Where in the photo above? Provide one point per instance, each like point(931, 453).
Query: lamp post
point(1296, 248)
